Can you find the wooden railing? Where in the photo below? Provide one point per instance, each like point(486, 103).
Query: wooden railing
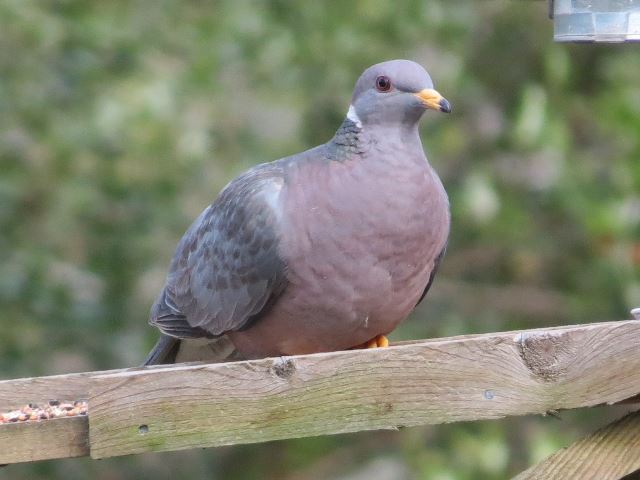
point(444, 380)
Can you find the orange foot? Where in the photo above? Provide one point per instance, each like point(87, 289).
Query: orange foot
point(376, 342)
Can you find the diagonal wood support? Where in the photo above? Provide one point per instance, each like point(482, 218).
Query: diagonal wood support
point(610, 453)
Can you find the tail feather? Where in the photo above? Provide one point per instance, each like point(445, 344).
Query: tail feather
point(164, 351)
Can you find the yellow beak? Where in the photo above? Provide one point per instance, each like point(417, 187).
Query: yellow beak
point(432, 99)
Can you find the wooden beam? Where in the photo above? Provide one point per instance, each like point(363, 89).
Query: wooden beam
point(46, 439)
point(436, 381)
point(607, 454)
point(441, 380)
point(17, 392)
point(21, 391)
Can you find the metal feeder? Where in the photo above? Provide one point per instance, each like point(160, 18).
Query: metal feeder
point(612, 21)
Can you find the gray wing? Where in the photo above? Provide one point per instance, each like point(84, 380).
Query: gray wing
point(226, 270)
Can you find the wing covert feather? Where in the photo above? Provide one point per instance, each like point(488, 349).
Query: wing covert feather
point(227, 268)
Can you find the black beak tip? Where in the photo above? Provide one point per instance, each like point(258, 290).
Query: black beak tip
point(445, 106)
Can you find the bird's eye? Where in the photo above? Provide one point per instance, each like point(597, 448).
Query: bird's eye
point(383, 84)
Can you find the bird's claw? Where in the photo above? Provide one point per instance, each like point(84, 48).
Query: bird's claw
point(379, 341)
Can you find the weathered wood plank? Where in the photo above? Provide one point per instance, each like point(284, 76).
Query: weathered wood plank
point(14, 393)
point(17, 392)
point(446, 380)
point(607, 454)
point(56, 438)
point(21, 391)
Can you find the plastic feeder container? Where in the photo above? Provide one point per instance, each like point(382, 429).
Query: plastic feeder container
point(596, 20)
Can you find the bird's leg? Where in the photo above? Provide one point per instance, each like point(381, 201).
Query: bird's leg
point(379, 341)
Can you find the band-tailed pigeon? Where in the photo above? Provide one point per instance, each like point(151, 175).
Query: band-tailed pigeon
point(324, 250)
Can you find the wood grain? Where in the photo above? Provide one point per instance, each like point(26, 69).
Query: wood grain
point(437, 381)
point(18, 392)
point(441, 380)
point(45, 439)
point(607, 454)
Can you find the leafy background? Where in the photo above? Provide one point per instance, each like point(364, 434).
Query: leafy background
point(120, 121)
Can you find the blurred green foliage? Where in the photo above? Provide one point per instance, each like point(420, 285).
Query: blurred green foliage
point(120, 121)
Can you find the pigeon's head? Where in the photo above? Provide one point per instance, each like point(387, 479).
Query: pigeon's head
point(394, 92)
